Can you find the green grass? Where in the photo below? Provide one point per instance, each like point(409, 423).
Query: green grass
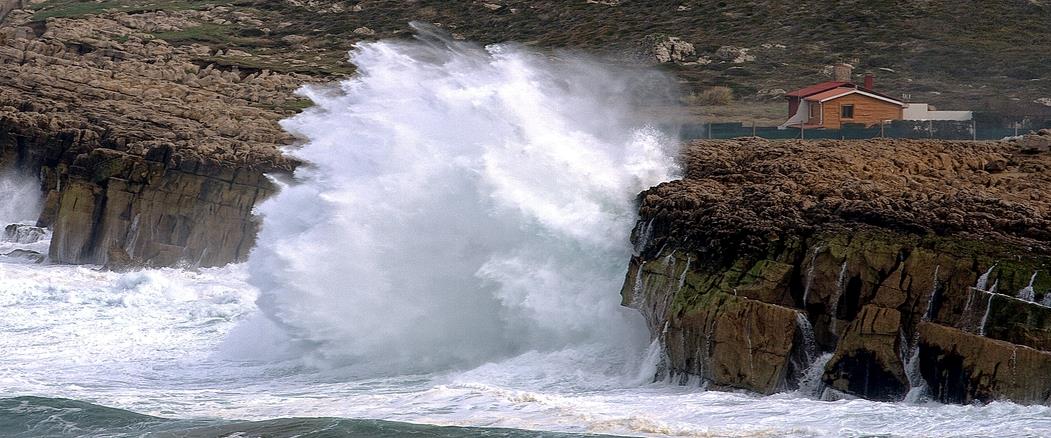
point(71, 8)
point(76, 8)
point(205, 33)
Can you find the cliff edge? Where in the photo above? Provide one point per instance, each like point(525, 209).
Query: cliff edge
point(146, 155)
point(883, 269)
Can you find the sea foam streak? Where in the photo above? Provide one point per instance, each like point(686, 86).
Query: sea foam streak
point(459, 204)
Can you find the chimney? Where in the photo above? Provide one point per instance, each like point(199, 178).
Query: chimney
point(870, 81)
point(842, 72)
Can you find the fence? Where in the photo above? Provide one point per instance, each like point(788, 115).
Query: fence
point(942, 130)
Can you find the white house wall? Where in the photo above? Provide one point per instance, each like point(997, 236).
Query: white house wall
point(921, 111)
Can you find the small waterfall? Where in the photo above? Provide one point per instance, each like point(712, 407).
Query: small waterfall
point(636, 290)
point(911, 357)
point(654, 363)
point(810, 275)
point(807, 331)
point(836, 296)
point(1028, 293)
point(985, 317)
point(983, 280)
point(643, 240)
point(930, 299)
point(682, 277)
point(996, 285)
point(811, 384)
point(917, 385)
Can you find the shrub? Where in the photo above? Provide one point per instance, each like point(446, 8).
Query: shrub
point(712, 96)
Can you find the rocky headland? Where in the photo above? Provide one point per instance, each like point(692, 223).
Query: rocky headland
point(878, 269)
point(146, 155)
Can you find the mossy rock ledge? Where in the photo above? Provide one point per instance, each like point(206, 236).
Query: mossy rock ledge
point(899, 269)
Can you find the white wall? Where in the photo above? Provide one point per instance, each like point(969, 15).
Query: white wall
point(922, 111)
point(801, 115)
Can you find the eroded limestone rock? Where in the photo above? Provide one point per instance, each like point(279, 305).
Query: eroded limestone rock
point(902, 256)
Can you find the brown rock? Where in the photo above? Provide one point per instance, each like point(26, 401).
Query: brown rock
point(867, 362)
point(734, 342)
point(119, 130)
point(961, 367)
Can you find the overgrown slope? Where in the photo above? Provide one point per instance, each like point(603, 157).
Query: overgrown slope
point(986, 56)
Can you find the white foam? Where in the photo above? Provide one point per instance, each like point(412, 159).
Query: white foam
point(461, 204)
point(19, 198)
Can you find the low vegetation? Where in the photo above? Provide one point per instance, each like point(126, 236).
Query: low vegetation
point(915, 48)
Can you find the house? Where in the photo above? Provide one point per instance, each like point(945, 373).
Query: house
point(830, 105)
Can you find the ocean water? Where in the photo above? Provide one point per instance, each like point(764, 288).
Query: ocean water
point(446, 264)
point(148, 351)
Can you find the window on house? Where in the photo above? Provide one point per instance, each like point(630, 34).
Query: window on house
point(847, 111)
point(813, 111)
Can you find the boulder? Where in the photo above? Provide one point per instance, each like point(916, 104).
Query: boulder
point(735, 55)
point(26, 255)
point(20, 233)
point(673, 49)
point(1035, 144)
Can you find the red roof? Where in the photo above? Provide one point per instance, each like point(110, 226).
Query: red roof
point(878, 93)
point(827, 94)
point(842, 91)
point(818, 88)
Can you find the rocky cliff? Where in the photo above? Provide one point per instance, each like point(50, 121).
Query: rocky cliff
point(879, 269)
point(146, 155)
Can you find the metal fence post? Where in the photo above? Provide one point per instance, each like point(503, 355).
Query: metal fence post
point(930, 129)
point(974, 130)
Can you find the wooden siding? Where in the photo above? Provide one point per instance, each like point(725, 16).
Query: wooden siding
point(867, 110)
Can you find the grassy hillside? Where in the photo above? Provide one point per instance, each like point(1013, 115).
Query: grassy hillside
point(988, 55)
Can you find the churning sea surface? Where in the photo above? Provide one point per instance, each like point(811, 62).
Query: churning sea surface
point(446, 263)
point(94, 353)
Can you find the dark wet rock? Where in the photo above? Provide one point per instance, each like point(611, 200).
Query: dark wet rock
point(20, 233)
point(962, 367)
point(25, 254)
point(870, 240)
point(867, 360)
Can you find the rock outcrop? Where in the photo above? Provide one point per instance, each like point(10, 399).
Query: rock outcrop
point(672, 49)
point(146, 156)
point(920, 270)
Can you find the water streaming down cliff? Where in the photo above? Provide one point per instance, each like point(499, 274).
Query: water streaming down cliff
point(459, 204)
point(836, 295)
point(1028, 293)
point(917, 386)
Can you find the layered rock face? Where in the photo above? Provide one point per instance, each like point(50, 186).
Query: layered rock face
point(914, 268)
point(145, 156)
